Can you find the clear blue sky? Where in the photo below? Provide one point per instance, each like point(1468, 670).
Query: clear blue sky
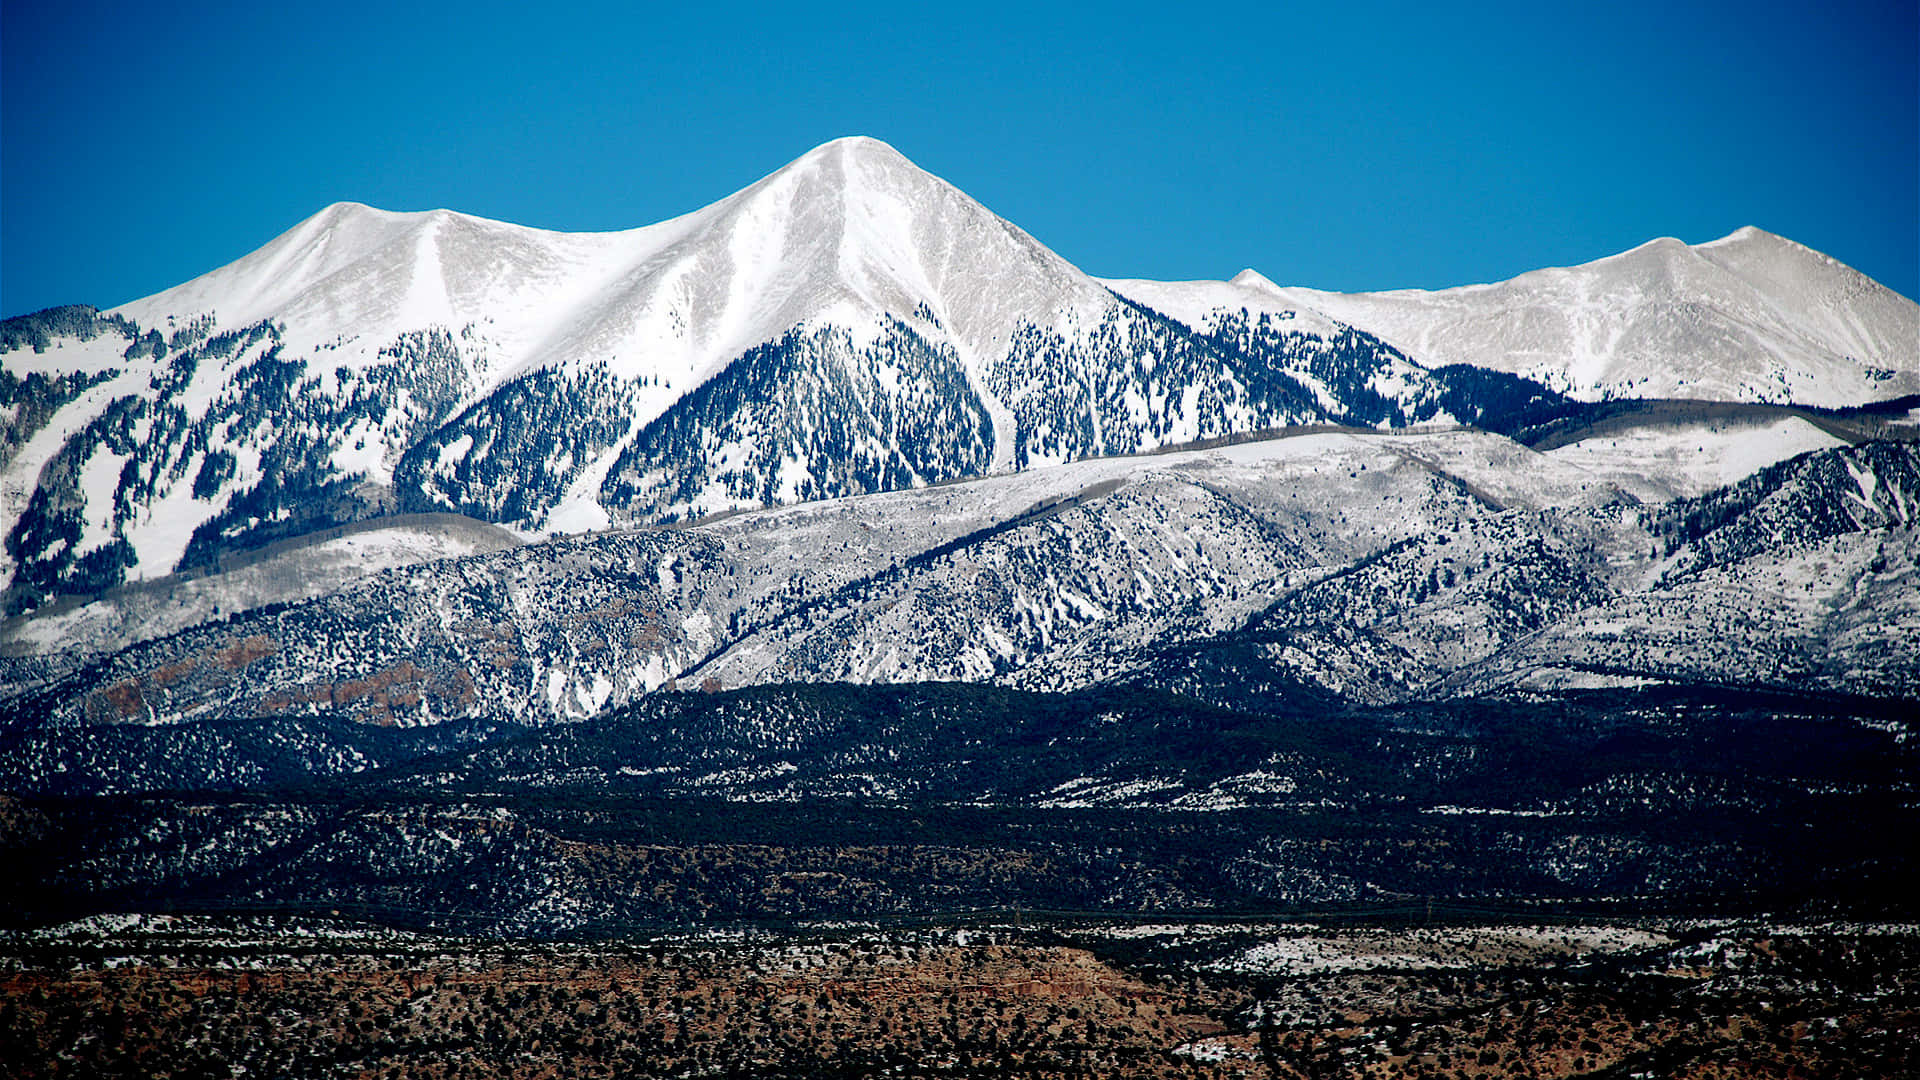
point(1346, 145)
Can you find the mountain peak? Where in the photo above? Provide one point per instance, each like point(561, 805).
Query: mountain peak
point(865, 146)
point(1746, 234)
point(1254, 279)
point(849, 159)
point(855, 222)
point(345, 208)
point(348, 212)
point(1750, 243)
point(1751, 316)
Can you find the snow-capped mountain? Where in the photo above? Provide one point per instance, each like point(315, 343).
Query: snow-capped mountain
point(1748, 317)
point(848, 234)
point(1010, 585)
point(848, 325)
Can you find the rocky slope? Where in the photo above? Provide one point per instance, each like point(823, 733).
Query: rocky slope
point(848, 325)
point(1370, 568)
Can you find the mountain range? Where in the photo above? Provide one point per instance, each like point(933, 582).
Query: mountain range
point(847, 325)
point(472, 576)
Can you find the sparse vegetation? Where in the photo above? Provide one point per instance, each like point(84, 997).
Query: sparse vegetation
point(179, 998)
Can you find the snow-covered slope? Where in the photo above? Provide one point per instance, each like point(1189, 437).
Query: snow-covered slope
point(1375, 567)
point(1658, 462)
point(305, 568)
point(848, 232)
point(1749, 317)
point(848, 324)
point(1202, 304)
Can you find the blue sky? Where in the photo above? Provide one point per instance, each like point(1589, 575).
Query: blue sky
point(1350, 145)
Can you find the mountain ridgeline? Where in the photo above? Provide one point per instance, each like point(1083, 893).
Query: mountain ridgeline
point(230, 432)
point(1329, 567)
point(847, 325)
point(837, 551)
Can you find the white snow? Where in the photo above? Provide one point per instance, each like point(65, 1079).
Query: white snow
point(1199, 303)
point(158, 607)
point(455, 450)
point(1683, 460)
point(362, 450)
point(847, 233)
point(99, 477)
point(1749, 317)
point(160, 533)
point(70, 356)
point(22, 474)
point(852, 233)
point(1428, 949)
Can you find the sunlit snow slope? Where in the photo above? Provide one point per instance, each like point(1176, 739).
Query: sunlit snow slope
point(849, 324)
point(1314, 568)
point(1749, 317)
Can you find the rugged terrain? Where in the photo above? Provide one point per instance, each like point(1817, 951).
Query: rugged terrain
point(1364, 567)
point(849, 324)
point(830, 634)
point(1757, 317)
point(809, 802)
